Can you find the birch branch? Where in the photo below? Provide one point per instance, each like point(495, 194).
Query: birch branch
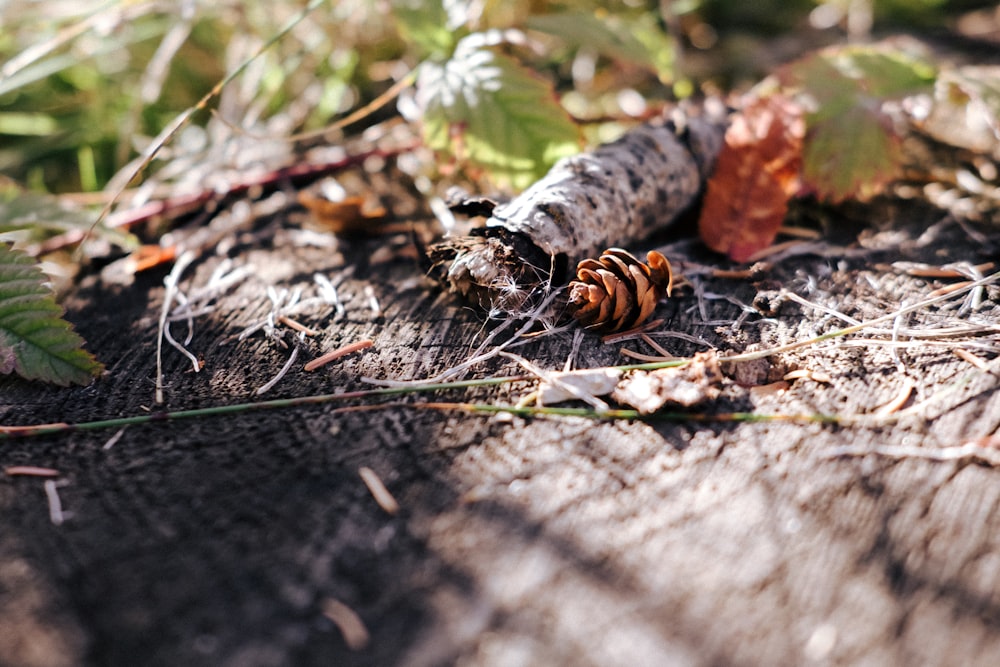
point(615, 195)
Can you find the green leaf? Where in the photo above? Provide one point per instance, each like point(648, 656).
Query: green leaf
point(35, 341)
point(638, 40)
point(852, 154)
point(42, 215)
point(27, 124)
point(852, 145)
point(858, 76)
point(429, 25)
point(484, 107)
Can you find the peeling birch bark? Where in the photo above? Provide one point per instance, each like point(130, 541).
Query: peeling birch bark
point(616, 195)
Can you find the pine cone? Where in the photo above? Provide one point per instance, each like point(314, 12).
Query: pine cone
point(618, 292)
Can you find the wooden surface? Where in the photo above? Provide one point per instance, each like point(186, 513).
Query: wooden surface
point(555, 541)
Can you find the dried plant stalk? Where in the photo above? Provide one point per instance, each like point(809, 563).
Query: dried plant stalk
point(616, 195)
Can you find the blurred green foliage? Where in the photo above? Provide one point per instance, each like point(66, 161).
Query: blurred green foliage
point(84, 84)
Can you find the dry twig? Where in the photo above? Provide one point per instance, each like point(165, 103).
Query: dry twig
point(348, 622)
point(378, 490)
point(338, 353)
point(31, 471)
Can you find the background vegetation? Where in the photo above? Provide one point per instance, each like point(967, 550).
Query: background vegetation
point(85, 85)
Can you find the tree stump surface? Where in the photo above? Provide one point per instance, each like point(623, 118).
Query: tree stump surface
point(549, 541)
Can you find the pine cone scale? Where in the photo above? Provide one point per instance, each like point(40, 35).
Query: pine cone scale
point(618, 291)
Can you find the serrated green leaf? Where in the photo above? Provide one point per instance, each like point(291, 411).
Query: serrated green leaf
point(852, 147)
point(35, 341)
point(486, 108)
point(850, 154)
point(43, 215)
point(638, 40)
point(888, 74)
point(858, 76)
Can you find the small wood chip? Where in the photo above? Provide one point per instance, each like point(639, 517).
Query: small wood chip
point(348, 622)
point(338, 353)
point(298, 326)
point(31, 471)
point(806, 374)
point(351, 216)
point(149, 256)
point(948, 289)
point(769, 390)
point(695, 383)
point(580, 384)
point(378, 490)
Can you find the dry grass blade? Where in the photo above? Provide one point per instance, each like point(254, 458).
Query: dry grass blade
point(348, 622)
point(898, 402)
point(30, 471)
point(284, 369)
point(171, 130)
point(971, 358)
point(102, 15)
point(860, 326)
point(378, 490)
point(168, 297)
point(971, 451)
point(56, 514)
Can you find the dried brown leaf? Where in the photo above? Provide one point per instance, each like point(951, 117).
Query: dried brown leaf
point(351, 216)
point(757, 172)
point(684, 386)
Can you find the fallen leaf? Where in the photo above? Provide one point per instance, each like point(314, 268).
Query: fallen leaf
point(350, 216)
point(686, 386)
point(966, 109)
point(852, 145)
point(757, 172)
point(149, 256)
point(855, 153)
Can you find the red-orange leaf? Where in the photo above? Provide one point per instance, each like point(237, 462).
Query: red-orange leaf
point(757, 172)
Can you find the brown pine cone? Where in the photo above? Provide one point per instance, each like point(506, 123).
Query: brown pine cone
point(618, 292)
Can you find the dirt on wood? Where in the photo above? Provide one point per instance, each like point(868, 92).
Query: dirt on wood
point(253, 540)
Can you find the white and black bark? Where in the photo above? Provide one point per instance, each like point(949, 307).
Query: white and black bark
point(616, 195)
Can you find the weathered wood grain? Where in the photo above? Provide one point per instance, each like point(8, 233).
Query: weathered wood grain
point(216, 541)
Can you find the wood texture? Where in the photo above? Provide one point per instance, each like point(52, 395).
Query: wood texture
point(220, 541)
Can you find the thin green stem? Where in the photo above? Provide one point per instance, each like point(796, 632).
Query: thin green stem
point(7, 432)
point(615, 414)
